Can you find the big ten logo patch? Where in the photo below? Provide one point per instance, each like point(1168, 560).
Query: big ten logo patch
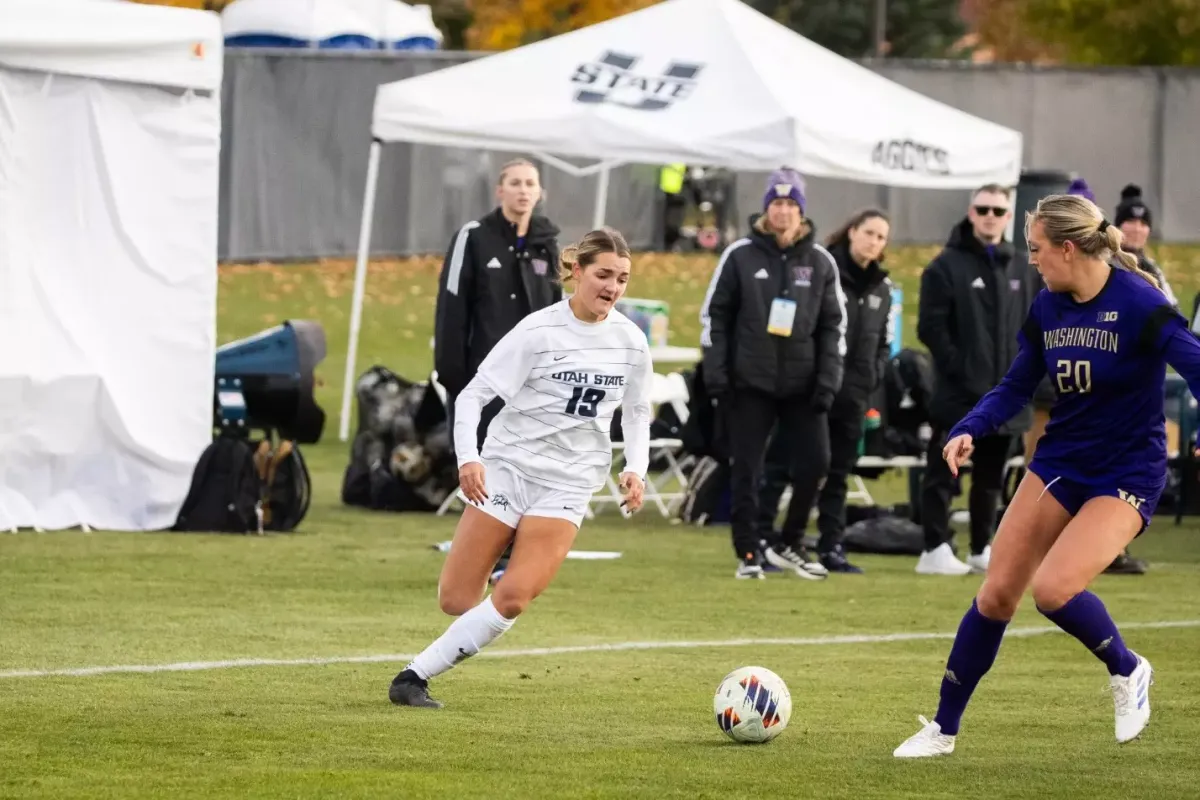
point(906, 155)
point(1107, 316)
point(613, 79)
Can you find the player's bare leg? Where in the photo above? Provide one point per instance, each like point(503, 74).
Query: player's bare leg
point(1031, 524)
point(478, 542)
point(1101, 530)
point(540, 547)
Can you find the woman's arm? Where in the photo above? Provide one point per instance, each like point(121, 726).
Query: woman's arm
point(1013, 392)
point(635, 417)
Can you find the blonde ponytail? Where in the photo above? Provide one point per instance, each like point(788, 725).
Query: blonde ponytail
point(1071, 218)
point(567, 261)
point(1127, 260)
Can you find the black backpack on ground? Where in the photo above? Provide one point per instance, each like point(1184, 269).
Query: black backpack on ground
point(240, 486)
point(707, 491)
point(226, 490)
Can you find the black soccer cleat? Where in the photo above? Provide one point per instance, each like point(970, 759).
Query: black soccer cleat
point(409, 690)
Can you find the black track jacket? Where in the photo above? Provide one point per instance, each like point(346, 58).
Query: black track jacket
point(739, 353)
point(486, 287)
point(971, 307)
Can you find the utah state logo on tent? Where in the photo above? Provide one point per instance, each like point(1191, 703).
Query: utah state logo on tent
point(611, 79)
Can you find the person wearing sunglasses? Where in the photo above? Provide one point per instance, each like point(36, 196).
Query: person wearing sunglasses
point(974, 298)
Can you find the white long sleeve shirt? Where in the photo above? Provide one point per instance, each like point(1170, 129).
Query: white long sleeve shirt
point(561, 380)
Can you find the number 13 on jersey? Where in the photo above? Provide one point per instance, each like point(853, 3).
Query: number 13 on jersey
point(584, 401)
point(1074, 376)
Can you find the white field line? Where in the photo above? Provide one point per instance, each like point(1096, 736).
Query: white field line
point(815, 641)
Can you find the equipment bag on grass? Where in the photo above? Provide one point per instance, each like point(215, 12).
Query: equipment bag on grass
point(286, 485)
point(226, 491)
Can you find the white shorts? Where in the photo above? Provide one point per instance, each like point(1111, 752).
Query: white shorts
point(511, 496)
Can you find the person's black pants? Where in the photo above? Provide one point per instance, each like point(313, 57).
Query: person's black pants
point(983, 502)
point(802, 437)
point(845, 432)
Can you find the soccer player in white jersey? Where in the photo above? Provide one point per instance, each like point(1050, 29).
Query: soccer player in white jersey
point(562, 373)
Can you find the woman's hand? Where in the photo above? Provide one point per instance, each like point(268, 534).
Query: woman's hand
point(957, 451)
point(634, 490)
point(470, 479)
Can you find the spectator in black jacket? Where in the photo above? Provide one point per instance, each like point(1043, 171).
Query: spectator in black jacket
point(498, 270)
point(857, 247)
point(773, 331)
point(974, 298)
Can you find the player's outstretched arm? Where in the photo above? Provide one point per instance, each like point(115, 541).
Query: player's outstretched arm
point(1013, 392)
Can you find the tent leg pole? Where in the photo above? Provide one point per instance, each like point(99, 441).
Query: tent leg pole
point(601, 197)
point(360, 284)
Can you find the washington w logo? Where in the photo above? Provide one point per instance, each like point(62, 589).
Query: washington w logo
point(612, 80)
point(1136, 502)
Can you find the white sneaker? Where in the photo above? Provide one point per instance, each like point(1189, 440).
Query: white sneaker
point(1131, 698)
point(979, 563)
point(929, 741)
point(941, 561)
point(787, 558)
point(747, 571)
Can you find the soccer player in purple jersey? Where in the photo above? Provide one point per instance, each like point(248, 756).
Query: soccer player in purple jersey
point(1105, 336)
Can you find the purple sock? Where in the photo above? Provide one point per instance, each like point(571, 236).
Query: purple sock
point(972, 655)
point(1085, 617)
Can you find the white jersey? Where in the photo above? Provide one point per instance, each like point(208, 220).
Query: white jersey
point(561, 380)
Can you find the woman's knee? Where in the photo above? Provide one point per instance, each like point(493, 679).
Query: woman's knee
point(998, 599)
point(456, 602)
point(511, 599)
point(1052, 591)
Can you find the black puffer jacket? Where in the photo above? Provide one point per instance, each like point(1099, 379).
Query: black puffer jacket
point(739, 353)
point(868, 294)
point(972, 304)
point(489, 284)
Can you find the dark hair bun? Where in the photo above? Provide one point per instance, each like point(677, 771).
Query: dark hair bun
point(1131, 191)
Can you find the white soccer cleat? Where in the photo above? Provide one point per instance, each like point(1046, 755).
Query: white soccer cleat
point(979, 563)
point(1131, 699)
point(789, 559)
point(941, 561)
point(927, 742)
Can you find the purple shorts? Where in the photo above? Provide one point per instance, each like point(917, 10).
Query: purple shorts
point(1071, 494)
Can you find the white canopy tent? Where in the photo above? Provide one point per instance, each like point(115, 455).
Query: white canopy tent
point(705, 82)
point(109, 147)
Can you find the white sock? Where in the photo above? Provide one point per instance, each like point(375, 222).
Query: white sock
point(465, 637)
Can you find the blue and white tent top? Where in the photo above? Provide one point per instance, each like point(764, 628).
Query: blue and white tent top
point(330, 24)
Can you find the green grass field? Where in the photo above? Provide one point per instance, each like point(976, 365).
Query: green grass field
point(356, 591)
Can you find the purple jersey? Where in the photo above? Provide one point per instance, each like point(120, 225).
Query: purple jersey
point(1107, 361)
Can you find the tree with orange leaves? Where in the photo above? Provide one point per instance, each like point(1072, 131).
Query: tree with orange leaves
point(505, 24)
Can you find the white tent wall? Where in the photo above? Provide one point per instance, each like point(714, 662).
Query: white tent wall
point(108, 286)
point(703, 82)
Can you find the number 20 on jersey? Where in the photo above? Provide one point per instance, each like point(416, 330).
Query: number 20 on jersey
point(1074, 376)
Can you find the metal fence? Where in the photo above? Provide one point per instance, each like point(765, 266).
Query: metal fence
point(297, 131)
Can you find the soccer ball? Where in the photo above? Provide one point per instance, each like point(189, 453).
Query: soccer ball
point(752, 705)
